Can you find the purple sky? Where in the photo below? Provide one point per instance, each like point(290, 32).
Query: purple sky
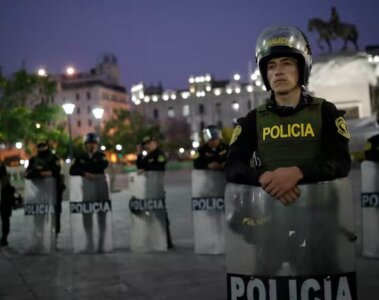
point(166, 40)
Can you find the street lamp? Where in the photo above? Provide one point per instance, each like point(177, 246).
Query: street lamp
point(68, 110)
point(98, 112)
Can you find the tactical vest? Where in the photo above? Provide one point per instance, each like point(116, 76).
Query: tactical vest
point(290, 140)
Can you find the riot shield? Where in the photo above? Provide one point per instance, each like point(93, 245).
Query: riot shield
point(289, 252)
point(370, 211)
point(148, 212)
point(39, 216)
point(208, 188)
point(90, 215)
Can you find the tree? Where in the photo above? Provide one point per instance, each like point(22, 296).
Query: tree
point(177, 135)
point(20, 122)
point(127, 128)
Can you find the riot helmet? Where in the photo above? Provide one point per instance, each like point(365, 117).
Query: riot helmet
point(284, 41)
point(91, 138)
point(211, 132)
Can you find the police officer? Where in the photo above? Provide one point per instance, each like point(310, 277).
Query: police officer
point(92, 161)
point(372, 148)
point(6, 202)
point(211, 155)
point(153, 160)
point(47, 164)
point(295, 137)
point(89, 165)
point(292, 139)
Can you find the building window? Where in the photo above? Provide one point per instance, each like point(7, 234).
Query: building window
point(89, 109)
point(77, 96)
point(78, 111)
point(79, 123)
point(186, 110)
point(171, 112)
point(89, 122)
point(201, 109)
point(156, 113)
point(88, 95)
point(219, 124)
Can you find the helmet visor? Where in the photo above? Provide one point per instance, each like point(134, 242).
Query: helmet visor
point(279, 36)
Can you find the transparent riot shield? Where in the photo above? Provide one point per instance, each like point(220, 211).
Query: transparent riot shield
point(90, 215)
point(39, 216)
point(148, 212)
point(290, 252)
point(370, 211)
point(208, 188)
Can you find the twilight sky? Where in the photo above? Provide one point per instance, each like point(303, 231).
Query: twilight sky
point(160, 40)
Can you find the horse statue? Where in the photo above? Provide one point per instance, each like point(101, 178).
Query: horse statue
point(325, 32)
point(334, 29)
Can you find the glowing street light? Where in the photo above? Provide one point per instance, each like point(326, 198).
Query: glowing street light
point(70, 71)
point(18, 145)
point(42, 72)
point(98, 113)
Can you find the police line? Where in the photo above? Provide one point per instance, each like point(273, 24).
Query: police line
point(370, 199)
point(333, 287)
point(208, 203)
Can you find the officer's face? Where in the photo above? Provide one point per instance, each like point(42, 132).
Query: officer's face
point(42, 148)
point(91, 147)
point(151, 146)
point(213, 143)
point(283, 74)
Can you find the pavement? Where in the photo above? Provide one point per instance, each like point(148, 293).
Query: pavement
point(177, 274)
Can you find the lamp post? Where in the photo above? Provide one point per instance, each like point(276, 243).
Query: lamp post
point(68, 110)
point(98, 113)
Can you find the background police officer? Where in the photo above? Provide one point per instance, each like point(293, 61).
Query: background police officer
point(47, 164)
point(211, 155)
point(293, 138)
point(90, 165)
point(154, 159)
point(92, 162)
point(372, 147)
point(6, 203)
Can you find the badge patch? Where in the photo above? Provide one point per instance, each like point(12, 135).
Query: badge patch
point(237, 131)
point(342, 127)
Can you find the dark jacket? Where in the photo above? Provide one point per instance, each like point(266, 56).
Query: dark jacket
point(206, 155)
point(46, 161)
point(372, 148)
point(154, 161)
point(85, 164)
point(335, 158)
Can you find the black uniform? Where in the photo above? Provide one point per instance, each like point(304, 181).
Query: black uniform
point(372, 148)
point(154, 161)
point(334, 163)
point(48, 161)
point(206, 155)
point(94, 165)
point(6, 203)
point(86, 164)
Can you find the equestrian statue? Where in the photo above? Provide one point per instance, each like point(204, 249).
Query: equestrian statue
point(332, 30)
